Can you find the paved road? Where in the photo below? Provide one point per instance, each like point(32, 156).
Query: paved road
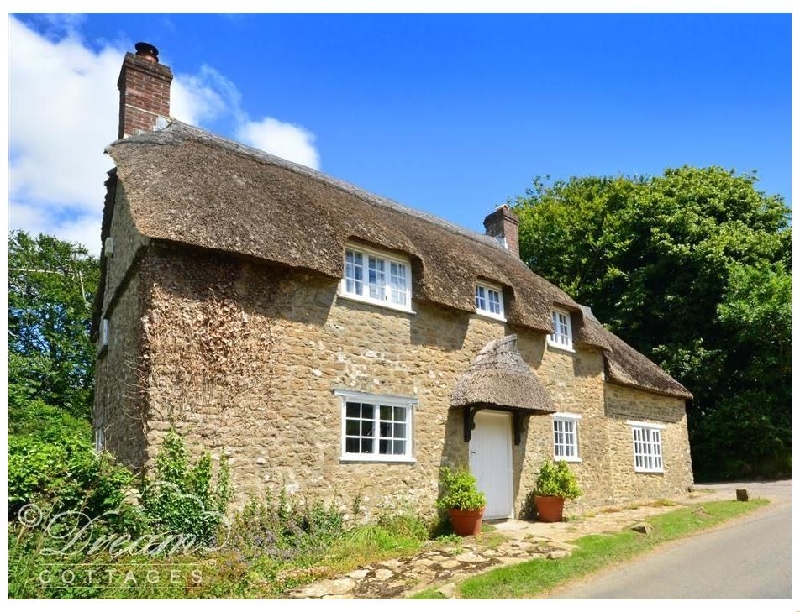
point(749, 558)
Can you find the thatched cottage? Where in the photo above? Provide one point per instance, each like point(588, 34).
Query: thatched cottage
point(334, 342)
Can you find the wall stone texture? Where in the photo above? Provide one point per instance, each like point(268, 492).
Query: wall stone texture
point(242, 358)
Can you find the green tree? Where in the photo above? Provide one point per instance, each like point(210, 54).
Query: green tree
point(51, 285)
point(677, 265)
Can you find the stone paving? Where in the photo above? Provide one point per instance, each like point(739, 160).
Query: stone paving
point(443, 565)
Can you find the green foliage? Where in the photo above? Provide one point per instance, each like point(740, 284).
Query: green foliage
point(693, 269)
point(284, 529)
point(51, 463)
point(459, 490)
point(404, 525)
point(449, 538)
point(51, 286)
point(181, 499)
point(558, 480)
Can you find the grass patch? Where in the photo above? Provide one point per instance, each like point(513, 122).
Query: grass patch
point(597, 551)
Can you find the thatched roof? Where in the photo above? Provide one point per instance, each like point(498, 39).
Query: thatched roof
point(626, 366)
point(189, 187)
point(500, 377)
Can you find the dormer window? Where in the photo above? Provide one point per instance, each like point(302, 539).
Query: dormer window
point(376, 278)
point(489, 301)
point(562, 330)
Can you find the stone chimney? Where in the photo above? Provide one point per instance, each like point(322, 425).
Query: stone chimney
point(503, 226)
point(144, 86)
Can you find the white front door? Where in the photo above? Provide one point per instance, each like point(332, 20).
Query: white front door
point(490, 461)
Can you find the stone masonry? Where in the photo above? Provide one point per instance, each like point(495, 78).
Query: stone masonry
point(242, 358)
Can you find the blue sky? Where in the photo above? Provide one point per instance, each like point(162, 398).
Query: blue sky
point(451, 114)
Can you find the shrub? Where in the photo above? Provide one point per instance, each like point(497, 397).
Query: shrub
point(66, 476)
point(558, 480)
point(180, 499)
point(404, 525)
point(282, 529)
point(459, 491)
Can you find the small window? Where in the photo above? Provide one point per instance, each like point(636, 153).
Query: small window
point(376, 428)
point(99, 439)
point(104, 333)
point(562, 330)
point(565, 436)
point(647, 447)
point(489, 301)
point(378, 279)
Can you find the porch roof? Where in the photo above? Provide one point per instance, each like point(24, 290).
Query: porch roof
point(500, 378)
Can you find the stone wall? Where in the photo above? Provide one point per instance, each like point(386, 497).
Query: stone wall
point(625, 404)
point(127, 243)
point(243, 359)
point(118, 402)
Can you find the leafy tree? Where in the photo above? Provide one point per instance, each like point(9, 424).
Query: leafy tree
point(693, 268)
point(51, 285)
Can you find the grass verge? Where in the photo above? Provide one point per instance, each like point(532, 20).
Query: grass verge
point(594, 552)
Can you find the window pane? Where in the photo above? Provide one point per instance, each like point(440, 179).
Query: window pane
point(399, 430)
point(366, 445)
point(352, 428)
point(384, 448)
point(351, 445)
point(386, 413)
point(399, 413)
point(386, 429)
point(399, 447)
point(367, 411)
point(353, 409)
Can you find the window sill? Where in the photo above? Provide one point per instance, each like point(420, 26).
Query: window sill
point(644, 471)
point(387, 305)
point(560, 347)
point(375, 459)
point(569, 459)
point(491, 317)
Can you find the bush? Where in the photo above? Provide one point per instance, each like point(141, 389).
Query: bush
point(66, 476)
point(557, 480)
point(283, 530)
point(180, 499)
point(404, 525)
point(459, 491)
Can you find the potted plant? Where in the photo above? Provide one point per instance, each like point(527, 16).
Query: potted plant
point(462, 500)
point(555, 483)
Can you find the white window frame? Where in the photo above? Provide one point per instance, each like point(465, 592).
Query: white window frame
point(569, 421)
point(408, 403)
point(648, 447)
point(562, 330)
point(386, 286)
point(483, 301)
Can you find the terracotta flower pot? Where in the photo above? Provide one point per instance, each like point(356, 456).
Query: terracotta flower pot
point(549, 509)
point(466, 522)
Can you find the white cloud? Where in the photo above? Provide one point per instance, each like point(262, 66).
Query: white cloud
point(203, 97)
point(63, 105)
point(285, 140)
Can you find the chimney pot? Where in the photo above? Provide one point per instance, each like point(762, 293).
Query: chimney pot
point(147, 51)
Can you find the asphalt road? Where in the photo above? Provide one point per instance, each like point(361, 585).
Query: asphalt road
point(748, 558)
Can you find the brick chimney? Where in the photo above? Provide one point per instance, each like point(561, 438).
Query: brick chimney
point(144, 86)
point(503, 226)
